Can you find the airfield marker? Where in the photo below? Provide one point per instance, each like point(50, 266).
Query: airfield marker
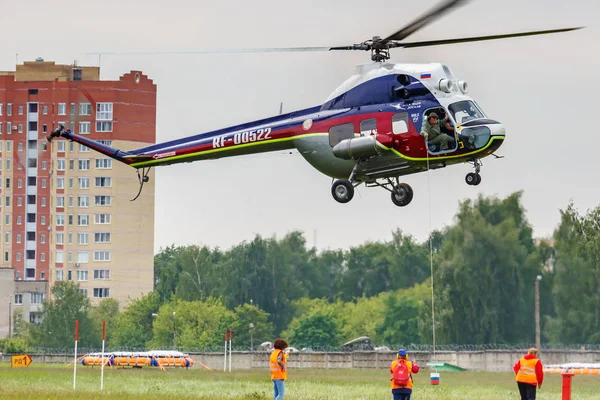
point(225, 359)
point(75, 359)
point(102, 366)
point(230, 337)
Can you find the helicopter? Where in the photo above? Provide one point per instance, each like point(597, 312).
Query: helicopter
point(373, 129)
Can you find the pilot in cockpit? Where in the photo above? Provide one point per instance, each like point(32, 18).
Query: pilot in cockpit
point(431, 130)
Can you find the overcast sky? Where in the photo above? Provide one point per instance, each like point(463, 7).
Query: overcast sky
point(542, 88)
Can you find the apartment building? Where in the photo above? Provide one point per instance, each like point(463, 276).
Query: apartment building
point(65, 210)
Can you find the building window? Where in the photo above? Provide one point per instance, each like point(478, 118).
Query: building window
point(19, 219)
point(7, 185)
point(82, 257)
point(60, 182)
point(102, 237)
point(84, 183)
point(103, 181)
point(18, 256)
point(84, 292)
point(103, 163)
point(7, 203)
point(70, 272)
point(60, 238)
point(44, 165)
point(83, 201)
point(44, 183)
point(60, 256)
point(104, 111)
point(100, 293)
point(82, 238)
point(20, 184)
point(20, 128)
point(6, 258)
point(9, 109)
point(102, 219)
point(62, 108)
point(43, 220)
point(102, 200)
point(42, 258)
point(84, 165)
point(18, 299)
point(105, 142)
point(1, 108)
point(70, 197)
point(60, 219)
point(36, 298)
point(7, 219)
point(83, 148)
point(102, 274)
point(59, 275)
point(43, 202)
point(19, 236)
point(60, 146)
point(7, 238)
point(82, 275)
point(42, 238)
point(70, 223)
point(83, 219)
point(85, 128)
point(45, 110)
point(20, 146)
point(101, 255)
point(104, 126)
point(60, 164)
point(60, 201)
point(71, 180)
point(20, 110)
point(85, 109)
point(8, 127)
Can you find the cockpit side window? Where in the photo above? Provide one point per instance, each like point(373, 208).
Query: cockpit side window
point(341, 132)
point(400, 123)
point(463, 111)
point(368, 127)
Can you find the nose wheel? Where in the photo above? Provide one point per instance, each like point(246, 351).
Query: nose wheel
point(342, 191)
point(473, 178)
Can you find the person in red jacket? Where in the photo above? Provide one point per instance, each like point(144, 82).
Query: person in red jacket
point(530, 374)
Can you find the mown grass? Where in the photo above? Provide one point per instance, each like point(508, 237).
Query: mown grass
point(56, 382)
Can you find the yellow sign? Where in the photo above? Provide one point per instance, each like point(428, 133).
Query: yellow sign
point(20, 361)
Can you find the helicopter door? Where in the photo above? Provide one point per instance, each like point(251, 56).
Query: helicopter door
point(435, 146)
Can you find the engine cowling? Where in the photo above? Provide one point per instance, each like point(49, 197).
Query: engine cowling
point(360, 147)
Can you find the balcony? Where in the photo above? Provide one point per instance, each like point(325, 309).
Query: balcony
point(32, 190)
point(31, 227)
point(30, 245)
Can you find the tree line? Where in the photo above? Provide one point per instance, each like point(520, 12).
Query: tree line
point(484, 269)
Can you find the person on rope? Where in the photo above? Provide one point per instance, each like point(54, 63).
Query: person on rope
point(278, 365)
point(401, 381)
point(530, 374)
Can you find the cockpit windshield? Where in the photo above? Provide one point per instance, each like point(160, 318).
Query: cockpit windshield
point(464, 111)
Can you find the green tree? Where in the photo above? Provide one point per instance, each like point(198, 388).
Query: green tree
point(577, 280)
point(191, 324)
point(262, 330)
point(316, 329)
point(486, 274)
point(402, 315)
point(133, 326)
point(57, 328)
point(107, 310)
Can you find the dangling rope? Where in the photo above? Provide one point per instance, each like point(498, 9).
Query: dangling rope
point(430, 245)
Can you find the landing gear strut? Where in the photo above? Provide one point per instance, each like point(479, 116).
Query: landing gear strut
point(473, 178)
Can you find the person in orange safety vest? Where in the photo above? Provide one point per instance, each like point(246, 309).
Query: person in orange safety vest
point(399, 390)
point(530, 374)
point(278, 365)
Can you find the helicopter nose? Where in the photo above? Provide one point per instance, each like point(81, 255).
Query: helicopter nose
point(497, 130)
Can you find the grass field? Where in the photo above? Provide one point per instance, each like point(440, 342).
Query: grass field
point(56, 382)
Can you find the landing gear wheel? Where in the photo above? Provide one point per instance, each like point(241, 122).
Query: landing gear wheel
point(473, 179)
point(402, 195)
point(342, 191)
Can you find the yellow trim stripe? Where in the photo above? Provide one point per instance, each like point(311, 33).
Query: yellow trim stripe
point(447, 157)
point(239, 146)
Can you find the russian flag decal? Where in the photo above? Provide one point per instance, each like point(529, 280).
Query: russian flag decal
point(425, 76)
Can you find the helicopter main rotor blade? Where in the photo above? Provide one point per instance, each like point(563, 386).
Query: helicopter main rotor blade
point(219, 51)
point(425, 19)
point(481, 38)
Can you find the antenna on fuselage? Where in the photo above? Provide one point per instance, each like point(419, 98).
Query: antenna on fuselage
point(280, 108)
